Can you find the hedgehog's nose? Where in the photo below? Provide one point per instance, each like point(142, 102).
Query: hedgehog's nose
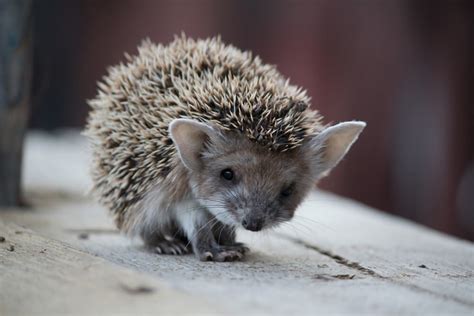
point(253, 225)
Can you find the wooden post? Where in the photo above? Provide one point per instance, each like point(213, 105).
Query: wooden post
point(15, 83)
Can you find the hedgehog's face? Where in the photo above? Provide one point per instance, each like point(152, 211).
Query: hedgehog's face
point(242, 183)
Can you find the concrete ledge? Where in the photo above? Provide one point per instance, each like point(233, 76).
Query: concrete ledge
point(336, 257)
point(47, 277)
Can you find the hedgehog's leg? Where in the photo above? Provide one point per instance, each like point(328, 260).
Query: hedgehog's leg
point(167, 244)
point(225, 237)
point(170, 247)
point(198, 224)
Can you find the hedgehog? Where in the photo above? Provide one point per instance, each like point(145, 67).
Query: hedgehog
point(197, 138)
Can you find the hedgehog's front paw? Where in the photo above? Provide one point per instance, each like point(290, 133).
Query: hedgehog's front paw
point(238, 246)
point(170, 247)
point(228, 255)
point(221, 254)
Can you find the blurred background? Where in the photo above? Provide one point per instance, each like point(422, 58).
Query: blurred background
point(405, 67)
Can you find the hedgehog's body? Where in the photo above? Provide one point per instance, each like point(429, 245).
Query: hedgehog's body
point(154, 182)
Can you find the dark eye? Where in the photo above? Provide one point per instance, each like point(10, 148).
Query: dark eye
point(227, 174)
point(286, 192)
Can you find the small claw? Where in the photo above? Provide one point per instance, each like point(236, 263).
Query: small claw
point(182, 248)
point(206, 256)
point(177, 249)
point(167, 247)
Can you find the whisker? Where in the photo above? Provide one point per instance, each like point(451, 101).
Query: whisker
point(298, 217)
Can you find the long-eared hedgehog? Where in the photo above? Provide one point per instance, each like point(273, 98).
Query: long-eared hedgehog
point(197, 138)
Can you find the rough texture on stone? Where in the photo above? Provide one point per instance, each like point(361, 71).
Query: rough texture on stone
point(337, 257)
point(204, 80)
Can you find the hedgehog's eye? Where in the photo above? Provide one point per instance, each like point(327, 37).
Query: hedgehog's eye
point(286, 192)
point(227, 174)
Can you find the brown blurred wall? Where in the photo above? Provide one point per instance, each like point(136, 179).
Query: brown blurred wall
point(402, 66)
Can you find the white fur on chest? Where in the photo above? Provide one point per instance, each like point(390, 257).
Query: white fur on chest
point(190, 215)
point(159, 216)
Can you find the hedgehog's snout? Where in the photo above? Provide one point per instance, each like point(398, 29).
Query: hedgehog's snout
point(254, 218)
point(254, 225)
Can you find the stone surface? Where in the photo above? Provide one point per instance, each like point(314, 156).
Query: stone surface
point(47, 277)
point(337, 256)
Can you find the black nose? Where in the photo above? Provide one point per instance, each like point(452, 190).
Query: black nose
point(254, 225)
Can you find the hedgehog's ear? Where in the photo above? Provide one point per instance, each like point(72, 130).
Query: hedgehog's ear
point(332, 144)
point(189, 137)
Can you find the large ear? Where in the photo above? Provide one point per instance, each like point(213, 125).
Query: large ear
point(333, 143)
point(189, 137)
